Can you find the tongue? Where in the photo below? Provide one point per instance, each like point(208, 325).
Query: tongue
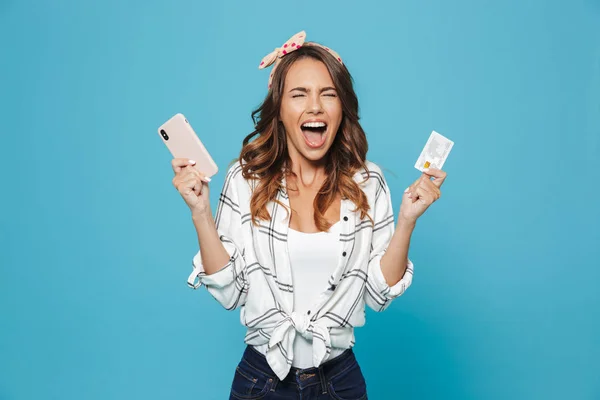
point(313, 137)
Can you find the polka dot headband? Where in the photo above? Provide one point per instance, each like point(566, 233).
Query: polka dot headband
point(293, 44)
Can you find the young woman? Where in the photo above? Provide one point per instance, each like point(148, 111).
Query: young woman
point(304, 233)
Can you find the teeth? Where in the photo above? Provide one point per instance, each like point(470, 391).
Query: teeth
point(314, 125)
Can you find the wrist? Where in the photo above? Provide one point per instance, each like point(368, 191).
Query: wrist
point(406, 223)
point(201, 217)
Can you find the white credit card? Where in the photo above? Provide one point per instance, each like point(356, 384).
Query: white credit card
point(435, 152)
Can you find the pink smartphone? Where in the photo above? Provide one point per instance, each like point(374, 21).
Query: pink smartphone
point(182, 142)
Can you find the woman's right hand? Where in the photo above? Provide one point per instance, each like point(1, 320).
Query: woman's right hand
point(192, 185)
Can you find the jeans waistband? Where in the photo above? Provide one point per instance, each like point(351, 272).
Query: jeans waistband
point(327, 370)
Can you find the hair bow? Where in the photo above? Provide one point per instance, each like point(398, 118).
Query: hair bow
point(293, 44)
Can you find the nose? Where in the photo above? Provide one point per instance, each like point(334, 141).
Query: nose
point(314, 104)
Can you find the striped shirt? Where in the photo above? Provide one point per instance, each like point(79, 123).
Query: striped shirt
point(258, 277)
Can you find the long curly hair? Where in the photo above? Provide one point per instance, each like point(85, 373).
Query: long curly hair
point(266, 160)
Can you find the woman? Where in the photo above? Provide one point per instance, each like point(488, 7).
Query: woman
point(304, 233)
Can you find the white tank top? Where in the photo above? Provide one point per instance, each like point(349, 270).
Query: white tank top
point(313, 257)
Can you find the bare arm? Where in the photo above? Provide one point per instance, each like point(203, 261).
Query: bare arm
point(214, 255)
point(395, 259)
point(416, 199)
point(193, 187)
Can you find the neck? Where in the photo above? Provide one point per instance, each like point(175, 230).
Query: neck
point(309, 173)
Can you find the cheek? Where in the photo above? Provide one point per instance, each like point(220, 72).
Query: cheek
point(286, 116)
point(334, 111)
point(334, 107)
point(290, 113)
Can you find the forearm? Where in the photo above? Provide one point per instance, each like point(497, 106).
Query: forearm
point(395, 259)
point(214, 255)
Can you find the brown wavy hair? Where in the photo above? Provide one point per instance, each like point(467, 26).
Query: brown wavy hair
point(266, 160)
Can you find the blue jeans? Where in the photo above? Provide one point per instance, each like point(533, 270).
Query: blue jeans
point(339, 378)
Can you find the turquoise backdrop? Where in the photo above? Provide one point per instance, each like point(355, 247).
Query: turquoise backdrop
point(96, 245)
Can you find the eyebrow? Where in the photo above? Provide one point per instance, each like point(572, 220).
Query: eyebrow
point(305, 90)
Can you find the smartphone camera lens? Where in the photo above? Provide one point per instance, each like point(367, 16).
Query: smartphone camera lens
point(164, 134)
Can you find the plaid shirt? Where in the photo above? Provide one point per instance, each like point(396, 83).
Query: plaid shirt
point(258, 276)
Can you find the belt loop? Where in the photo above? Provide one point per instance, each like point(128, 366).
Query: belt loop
point(275, 382)
point(322, 378)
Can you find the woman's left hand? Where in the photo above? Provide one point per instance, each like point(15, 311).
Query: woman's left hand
point(421, 194)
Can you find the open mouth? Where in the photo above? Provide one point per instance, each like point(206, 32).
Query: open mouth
point(314, 133)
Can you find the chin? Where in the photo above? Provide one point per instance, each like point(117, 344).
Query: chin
point(315, 156)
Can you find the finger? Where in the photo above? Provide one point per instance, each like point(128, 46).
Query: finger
point(184, 188)
point(183, 175)
point(203, 177)
point(181, 178)
point(422, 195)
point(188, 184)
point(411, 189)
point(199, 183)
point(198, 187)
point(424, 183)
point(417, 193)
point(193, 171)
point(179, 163)
point(431, 188)
point(438, 175)
point(191, 184)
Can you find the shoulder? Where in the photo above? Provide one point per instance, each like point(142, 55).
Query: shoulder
point(234, 178)
point(234, 171)
point(374, 169)
point(372, 176)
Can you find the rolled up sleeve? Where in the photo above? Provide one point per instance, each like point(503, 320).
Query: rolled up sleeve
point(228, 285)
point(386, 293)
point(379, 294)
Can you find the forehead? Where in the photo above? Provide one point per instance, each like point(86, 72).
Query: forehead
point(308, 72)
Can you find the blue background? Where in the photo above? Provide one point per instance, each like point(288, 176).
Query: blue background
point(96, 244)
